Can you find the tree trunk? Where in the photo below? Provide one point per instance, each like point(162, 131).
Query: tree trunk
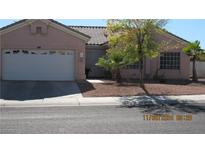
point(140, 43)
point(118, 76)
point(194, 74)
point(141, 75)
point(113, 73)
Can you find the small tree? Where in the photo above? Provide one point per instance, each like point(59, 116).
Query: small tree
point(116, 56)
point(136, 38)
point(193, 50)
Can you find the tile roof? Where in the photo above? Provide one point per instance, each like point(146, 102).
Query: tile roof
point(98, 37)
point(97, 34)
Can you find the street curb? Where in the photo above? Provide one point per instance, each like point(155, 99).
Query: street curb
point(39, 103)
point(57, 104)
point(60, 103)
point(91, 101)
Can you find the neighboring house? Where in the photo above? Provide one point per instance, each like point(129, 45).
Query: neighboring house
point(48, 50)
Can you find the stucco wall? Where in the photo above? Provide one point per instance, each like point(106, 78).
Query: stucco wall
point(173, 45)
point(200, 68)
point(182, 73)
point(130, 73)
point(152, 65)
point(51, 39)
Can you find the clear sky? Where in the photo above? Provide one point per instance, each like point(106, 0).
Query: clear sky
point(190, 30)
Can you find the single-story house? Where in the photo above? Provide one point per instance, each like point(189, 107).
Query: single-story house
point(50, 51)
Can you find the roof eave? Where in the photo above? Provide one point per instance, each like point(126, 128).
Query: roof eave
point(175, 36)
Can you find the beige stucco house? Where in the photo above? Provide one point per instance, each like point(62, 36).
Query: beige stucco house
point(50, 51)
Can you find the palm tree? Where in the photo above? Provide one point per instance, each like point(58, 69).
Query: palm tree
point(193, 50)
point(113, 61)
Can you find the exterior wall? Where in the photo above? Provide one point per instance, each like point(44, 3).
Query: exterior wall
point(130, 73)
point(200, 68)
point(173, 45)
point(50, 39)
point(182, 73)
point(93, 53)
point(151, 66)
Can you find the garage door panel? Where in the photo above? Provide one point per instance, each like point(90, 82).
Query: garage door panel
point(38, 67)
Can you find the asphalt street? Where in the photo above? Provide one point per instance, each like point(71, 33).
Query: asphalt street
point(90, 119)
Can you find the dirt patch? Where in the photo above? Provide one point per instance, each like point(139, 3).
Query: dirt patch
point(111, 88)
point(167, 89)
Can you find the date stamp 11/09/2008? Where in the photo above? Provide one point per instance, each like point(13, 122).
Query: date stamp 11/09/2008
point(168, 117)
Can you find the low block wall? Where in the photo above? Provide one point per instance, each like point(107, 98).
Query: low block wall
point(200, 68)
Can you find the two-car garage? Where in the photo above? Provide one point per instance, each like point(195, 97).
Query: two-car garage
point(43, 65)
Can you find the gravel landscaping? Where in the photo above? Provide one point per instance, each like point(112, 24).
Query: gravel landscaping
point(110, 88)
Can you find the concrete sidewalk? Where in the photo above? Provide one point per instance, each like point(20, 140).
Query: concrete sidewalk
point(95, 101)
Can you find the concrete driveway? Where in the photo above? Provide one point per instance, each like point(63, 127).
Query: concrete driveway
point(33, 90)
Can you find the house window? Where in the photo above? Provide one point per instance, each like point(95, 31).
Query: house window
point(170, 60)
point(134, 66)
point(38, 30)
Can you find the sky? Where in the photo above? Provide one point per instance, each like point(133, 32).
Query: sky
point(188, 29)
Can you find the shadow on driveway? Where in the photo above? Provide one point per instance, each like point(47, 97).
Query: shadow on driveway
point(31, 90)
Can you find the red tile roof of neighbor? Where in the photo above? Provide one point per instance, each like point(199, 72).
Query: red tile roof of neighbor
point(97, 34)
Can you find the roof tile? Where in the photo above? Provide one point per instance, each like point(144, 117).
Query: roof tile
point(97, 33)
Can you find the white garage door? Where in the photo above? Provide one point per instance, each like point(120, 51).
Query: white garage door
point(38, 65)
